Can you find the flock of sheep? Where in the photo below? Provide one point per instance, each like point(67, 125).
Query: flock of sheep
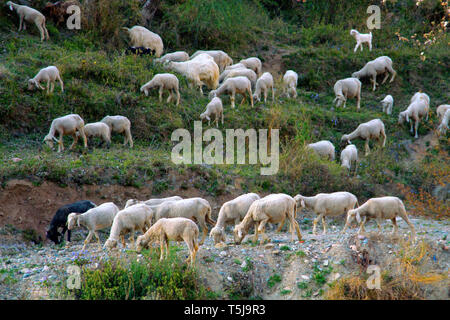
point(174, 217)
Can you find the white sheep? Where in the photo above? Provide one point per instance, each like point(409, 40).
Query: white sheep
point(254, 64)
point(222, 59)
point(199, 71)
point(49, 74)
point(197, 209)
point(248, 73)
point(164, 230)
point(232, 212)
point(214, 107)
point(441, 110)
point(327, 205)
point(152, 202)
point(443, 127)
point(177, 56)
point(97, 129)
point(274, 208)
point(379, 209)
point(129, 220)
point(420, 95)
point(349, 156)
point(94, 219)
point(142, 37)
point(323, 148)
point(387, 104)
point(236, 66)
point(227, 71)
point(373, 129)
point(290, 79)
point(66, 125)
point(347, 88)
point(164, 81)
point(417, 110)
point(264, 84)
point(381, 65)
point(30, 15)
point(121, 125)
point(231, 87)
point(361, 38)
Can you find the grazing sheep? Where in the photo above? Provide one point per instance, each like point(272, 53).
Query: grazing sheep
point(142, 37)
point(231, 87)
point(227, 71)
point(379, 209)
point(30, 15)
point(58, 11)
point(373, 129)
point(49, 74)
point(417, 110)
point(327, 205)
point(441, 110)
point(199, 71)
point(236, 66)
point(232, 212)
point(361, 38)
point(274, 208)
point(177, 56)
point(347, 88)
point(420, 95)
point(67, 125)
point(152, 202)
point(214, 107)
point(387, 103)
point(97, 129)
point(59, 220)
point(222, 59)
point(443, 127)
point(196, 209)
point(323, 148)
point(264, 84)
point(349, 156)
point(248, 73)
point(290, 79)
point(381, 65)
point(164, 81)
point(129, 220)
point(94, 219)
point(254, 64)
point(120, 124)
point(177, 229)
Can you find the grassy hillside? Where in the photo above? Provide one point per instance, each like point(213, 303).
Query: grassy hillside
point(100, 80)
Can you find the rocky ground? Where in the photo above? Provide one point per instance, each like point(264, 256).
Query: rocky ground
point(280, 269)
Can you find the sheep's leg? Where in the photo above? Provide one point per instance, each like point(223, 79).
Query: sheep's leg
point(366, 147)
point(356, 47)
point(251, 96)
point(202, 224)
point(161, 93)
point(315, 223)
point(98, 238)
point(370, 46)
point(41, 31)
point(128, 139)
point(232, 98)
point(358, 101)
point(379, 226)
point(374, 80)
point(52, 86)
point(222, 117)
point(280, 226)
point(411, 226)
point(255, 238)
point(391, 70)
point(324, 225)
point(48, 86)
point(178, 96)
point(416, 126)
point(265, 96)
point(294, 226)
point(261, 228)
point(273, 95)
point(20, 23)
point(75, 140)
point(60, 142)
point(167, 247)
point(161, 245)
point(88, 239)
point(385, 78)
point(394, 224)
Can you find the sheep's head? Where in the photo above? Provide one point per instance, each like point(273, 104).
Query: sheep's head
point(239, 233)
point(340, 100)
point(218, 234)
point(402, 116)
point(110, 244)
point(353, 32)
point(256, 97)
point(49, 140)
point(9, 4)
point(53, 235)
point(355, 75)
point(228, 61)
point(345, 138)
point(212, 94)
point(205, 116)
point(299, 200)
point(71, 220)
point(145, 90)
point(32, 84)
point(141, 243)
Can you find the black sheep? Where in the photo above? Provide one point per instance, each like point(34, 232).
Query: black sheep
point(60, 219)
point(139, 51)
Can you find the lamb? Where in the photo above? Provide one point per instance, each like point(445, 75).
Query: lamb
point(94, 219)
point(387, 103)
point(129, 220)
point(227, 71)
point(177, 229)
point(152, 202)
point(30, 15)
point(441, 110)
point(264, 84)
point(349, 156)
point(443, 127)
point(142, 37)
point(274, 208)
point(323, 148)
point(121, 125)
point(97, 129)
point(177, 56)
point(214, 107)
point(381, 65)
point(196, 209)
point(59, 220)
point(49, 74)
point(248, 73)
point(232, 212)
point(378, 209)
point(222, 59)
point(347, 88)
point(373, 129)
point(290, 79)
point(164, 81)
point(200, 70)
point(361, 38)
point(417, 110)
point(232, 86)
point(327, 205)
point(254, 64)
point(66, 125)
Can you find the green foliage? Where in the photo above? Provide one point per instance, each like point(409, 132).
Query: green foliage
point(273, 280)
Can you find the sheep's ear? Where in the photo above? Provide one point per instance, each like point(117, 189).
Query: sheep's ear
point(358, 217)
